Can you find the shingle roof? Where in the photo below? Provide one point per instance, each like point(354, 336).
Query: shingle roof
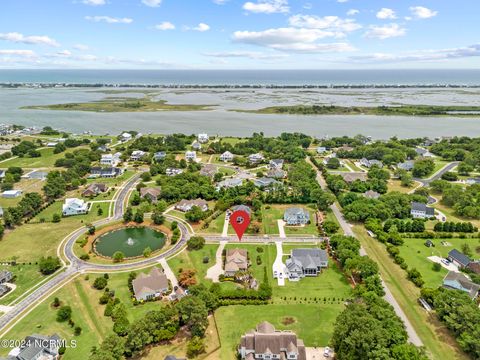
point(459, 257)
point(459, 281)
point(310, 258)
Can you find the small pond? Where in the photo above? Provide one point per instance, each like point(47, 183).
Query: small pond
point(131, 241)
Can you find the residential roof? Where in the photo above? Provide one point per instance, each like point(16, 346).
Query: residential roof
point(417, 206)
point(459, 257)
point(310, 258)
point(241, 208)
point(155, 281)
point(351, 176)
point(370, 194)
point(265, 181)
point(296, 211)
point(153, 192)
point(236, 259)
point(198, 202)
point(458, 281)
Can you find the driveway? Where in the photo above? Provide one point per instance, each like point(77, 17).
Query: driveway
point(216, 270)
point(278, 266)
point(225, 225)
point(168, 272)
point(449, 267)
point(281, 228)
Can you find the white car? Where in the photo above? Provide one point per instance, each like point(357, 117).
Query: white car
point(446, 262)
point(327, 352)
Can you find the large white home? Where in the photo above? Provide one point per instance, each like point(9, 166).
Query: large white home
point(421, 211)
point(187, 205)
point(74, 206)
point(110, 159)
point(137, 155)
point(126, 136)
point(255, 158)
point(226, 156)
point(191, 156)
point(202, 138)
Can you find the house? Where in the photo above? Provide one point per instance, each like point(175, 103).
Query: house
point(159, 155)
point(102, 148)
point(187, 205)
point(242, 208)
point(153, 285)
point(226, 156)
point(458, 281)
point(229, 183)
point(137, 155)
point(276, 164)
point(171, 357)
point(4, 289)
point(173, 171)
point(369, 163)
point(235, 260)
point(149, 193)
point(458, 258)
point(306, 262)
point(472, 181)
point(36, 174)
point(423, 152)
point(267, 343)
point(110, 159)
point(52, 144)
point(352, 176)
point(255, 158)
point(2, 174)
point(407, 165)
point(321, 150)
point(296, 216)
point(125, 137)
point(5, 276)
point(265, 182)
point(202, 138)
point(94, 189)
point(208, 170)
point(196, 145)
point(107, 172)
point(191, 156)
point(370, 194)
point(421, 211)
point(11, 194)
point(74, 206)
point(277, 173)
point(37, 347)
point(1, 211)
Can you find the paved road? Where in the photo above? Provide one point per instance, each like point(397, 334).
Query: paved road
point(347, 229)
point(76, 265)
point(438, 174)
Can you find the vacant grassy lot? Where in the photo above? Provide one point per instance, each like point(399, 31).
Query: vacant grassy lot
point(194, 260)
point(47, 159)
point(113, 181)
point(216, 225)
point(312, 322)
point(26, 276)
point(395, 185)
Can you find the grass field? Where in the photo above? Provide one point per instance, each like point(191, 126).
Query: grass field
point(273, 212)
point(395, 185)
point(436, 338)
point(113, 181)
point(194, 260)
point(47, 159)
point(216, 225)
point(26, 276)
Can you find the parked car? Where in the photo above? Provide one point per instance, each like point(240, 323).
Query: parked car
point(327, 352)
point(446, 262)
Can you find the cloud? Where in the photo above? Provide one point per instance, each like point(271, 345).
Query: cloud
point(420, 12)
point(352, 12)
point(109, 20)
point(220, 2)
point(94, 2)
point(65, 53)
point(246, 54)
point(386, 13)
point(267, 6)
point(342, 1)
point(81, 47)
point(202, 27)
point(22, 53)
point(332, 23)
point(33, 39)
point(422, 55)
point(152, 3)
point(292, 39)
point(166, 25)
point(385, 32)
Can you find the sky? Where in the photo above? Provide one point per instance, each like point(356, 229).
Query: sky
point(239, 34)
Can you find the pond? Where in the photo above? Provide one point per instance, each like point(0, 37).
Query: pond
point(131, 241)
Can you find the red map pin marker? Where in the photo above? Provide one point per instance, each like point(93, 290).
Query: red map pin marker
point(240, 220)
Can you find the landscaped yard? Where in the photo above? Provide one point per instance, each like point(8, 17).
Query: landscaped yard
point(216, 225)
point(272, 213)
point(194, 260)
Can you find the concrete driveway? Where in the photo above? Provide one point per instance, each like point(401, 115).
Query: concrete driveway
point(281, 228)
point(216, 270)
point(278, 266)
point(438, 260)
point(168, 272)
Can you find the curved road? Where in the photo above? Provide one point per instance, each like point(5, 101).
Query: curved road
point(76, 265)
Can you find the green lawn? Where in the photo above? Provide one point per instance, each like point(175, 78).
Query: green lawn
point(266, 254)
point(26, 276)
point(56, 208)
point(416, 253)
point(216, 225)
point(273, 212)
point(47, 159)
point(194, 260)
point(395, 185)
point(113, 181)
point(311, 322)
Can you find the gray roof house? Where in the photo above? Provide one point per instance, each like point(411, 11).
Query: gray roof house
point(421, 211)
point(276, 164)
point(4, 289)
point(296, 216)
point(150, 286)
point(458, 281)
point(370, 194)
point(160, 155)
point(208, 170)
point(107, 172)
point(37, 347)
point(5, 276)
point(187, 205)
point(306, 262)
point(458, 258)
point(265, 182)
point(267, 343)
point(229, 183)
point(407, 165)
point(277, 173)
point(172, 357)
point(369, 163)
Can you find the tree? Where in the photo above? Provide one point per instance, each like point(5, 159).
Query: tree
point(118, 256)
point(196, 243)
point(147, 252)
point(158, 218)
point(195, 347)
point(187, 278)
point(193, 313)
point(99, 211)
point(330, 227)
point(128, 214)
point(56, 302)
point(423, 167)
point(56, 218)
point(333, 163)
point(406, 179)
point(195, 214)
point(64, 313)
point(55, 185)
point(138, 217)
point(77, 331)
point(100, 283)
point(48, 265)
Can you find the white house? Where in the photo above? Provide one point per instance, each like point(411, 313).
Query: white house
point(202, 138)
point(126, 136)
point(74, 206)
point(229, 183)
point(191, 156)
point(173, 171)
point(226, 156)
point(196, 145)
point(10, 194)
point(137, 155)
point(255, 158)
point(110, 159)
point(421, 211)
point(321, 149)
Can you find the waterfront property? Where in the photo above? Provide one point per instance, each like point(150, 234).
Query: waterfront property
point(255, 158)
point(125, 137)
point(137, 155)
point(296, 216)
point(421, 211)
point(267, 343)
point(151, 286)
point(110, 159)
point(74, 206)
point(305, 262)
point(202, 138)
point(458, 281)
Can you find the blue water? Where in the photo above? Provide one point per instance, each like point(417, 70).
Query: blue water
point(246, 77)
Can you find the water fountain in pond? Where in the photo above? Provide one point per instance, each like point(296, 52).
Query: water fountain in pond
point(130, 241)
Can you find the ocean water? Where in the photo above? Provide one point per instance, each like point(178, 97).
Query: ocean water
point(246, 77)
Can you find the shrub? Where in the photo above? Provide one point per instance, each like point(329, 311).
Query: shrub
point(100, 283)
point(195, 243)
point(64, 313)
